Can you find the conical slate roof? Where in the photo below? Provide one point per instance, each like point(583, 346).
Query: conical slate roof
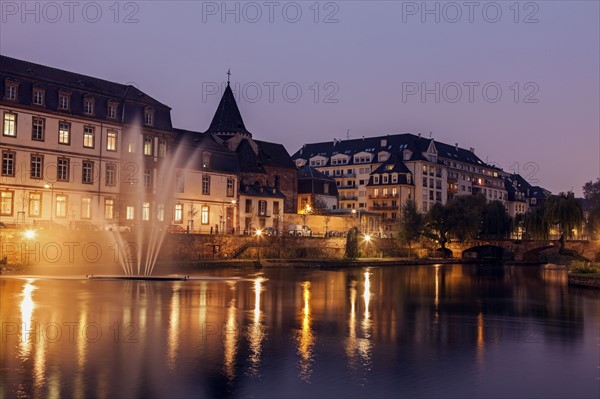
point(228, 120)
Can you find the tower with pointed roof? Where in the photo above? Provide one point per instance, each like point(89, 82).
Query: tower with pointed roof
point(227, 120)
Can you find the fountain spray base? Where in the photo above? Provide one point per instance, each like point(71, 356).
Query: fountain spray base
point(145, 278)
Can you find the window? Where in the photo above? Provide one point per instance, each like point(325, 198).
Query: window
point(38, 96)
point(385, 192)
point(230, 190)
point(64, 133)
point(10, 92)
point(111, 140)
point(204, 214)
point(262, 208)
point(438, 196)
point(6, 203)
point(86, 207)
point(109, 209)
point(10, 124)
point(61, 206)
point(162, 148)
point(376, 192)
point(149, 117)
point(147, 178)
point(147, 145)
point(376, 179)
point(206, 160)
point(179, 181)
point(37, 166)
point(205, 184)
point(394, 178)
point(178, 213)
point(87, 175)
point(146, 211)
point(62, 169)
point(35, 205)
point(160, 213)
point(8, 163)
point(394, 192)
point(248, 207)
point(64, 100)
point(131, 148)
point(111, 111)
point(130, 212)
point(276, 208)
point(88, 137)
point(111, 173)
point(37, 129)
point(385, 179)
point(88, 105)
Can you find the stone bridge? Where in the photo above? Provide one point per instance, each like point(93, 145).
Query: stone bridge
point(523, 250)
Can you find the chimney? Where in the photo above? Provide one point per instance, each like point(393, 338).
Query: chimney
point(419, 135)
point(472, 150)
point(456, 146)
point(383, 142)
point(301, 150)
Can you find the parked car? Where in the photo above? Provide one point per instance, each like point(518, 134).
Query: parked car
point(270, 231)
point(116, 227)
point(334, 233)
point(83, 226)
point(175, 228)
point(300, 230)
point(48, 225)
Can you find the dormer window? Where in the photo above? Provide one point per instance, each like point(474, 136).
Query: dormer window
point(64, 101)
point(206, 159)
point(149, 117)
point(88, 105)
point(376, 179)
point(111, 110)
point(10, 91)
point(385, 179)
point(389, 167)
point(394, 178)
point(38, 96)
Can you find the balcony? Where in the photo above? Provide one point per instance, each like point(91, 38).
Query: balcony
point(347, 187)
point(349, 175)
point(348, 198)
point(381, 208)
point(373, 196)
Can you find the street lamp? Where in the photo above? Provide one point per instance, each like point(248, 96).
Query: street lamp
point(50, 186)
point(367, 239)
point(258, 234)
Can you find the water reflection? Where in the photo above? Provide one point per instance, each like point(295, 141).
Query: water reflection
point(306, 338)
point(173, 335)
point(255, 331)
point(27, 306)
point(230, 335)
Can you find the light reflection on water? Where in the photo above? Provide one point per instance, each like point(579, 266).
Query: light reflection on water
point(451, 330)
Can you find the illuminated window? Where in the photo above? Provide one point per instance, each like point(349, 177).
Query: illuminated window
point(86, 207)
point(6, 203)
point(88, 137)
point(204, 214)
point(162, 148)
point(62, 169)
point(206, 160)
point(64, 133)
point(146, 211)
point(394, 192)
point(111, 140)
point(130, 213)
point(37, 129)
point(35, 205)
point(61, 206)
point(147, 145)
point(147, 178)
point(10, 124)
point(160, 212)
point(178, 213)
point(109, 209)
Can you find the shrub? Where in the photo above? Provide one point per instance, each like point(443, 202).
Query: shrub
point(579, 267)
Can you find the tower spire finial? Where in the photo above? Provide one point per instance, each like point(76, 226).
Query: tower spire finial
point(228, 75)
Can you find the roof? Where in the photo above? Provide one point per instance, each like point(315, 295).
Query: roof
point(254, 190)
point(191, 146)
point(274, 154)
point(227, 118)
point(307, 172)
point(397, 166)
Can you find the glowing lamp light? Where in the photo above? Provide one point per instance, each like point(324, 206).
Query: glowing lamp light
point(29, 234)
point(259, 232)
point(367, 237)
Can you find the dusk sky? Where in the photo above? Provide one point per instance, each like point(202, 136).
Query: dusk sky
point(360, 65)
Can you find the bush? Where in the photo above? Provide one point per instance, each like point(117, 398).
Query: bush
point(579, 267)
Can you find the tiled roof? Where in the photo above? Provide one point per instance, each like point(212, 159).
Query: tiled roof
point(274, 154)
point(397, 166)
point(307, 172)
point(227, 118)
point(190, 148)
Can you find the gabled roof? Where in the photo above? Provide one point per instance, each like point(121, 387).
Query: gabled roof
point(191, 146)
point(274, 154)
point(249, 162)
point(255, 190)
point(227, 118)
point(307, 172)
point(397, 166)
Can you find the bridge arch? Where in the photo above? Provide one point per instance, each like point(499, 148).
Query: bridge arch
point(487, 252)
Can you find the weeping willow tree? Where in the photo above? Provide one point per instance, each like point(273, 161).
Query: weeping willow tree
point(536, 226)
point(564, 211)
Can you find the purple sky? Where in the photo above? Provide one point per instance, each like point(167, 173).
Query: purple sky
point(368, 60)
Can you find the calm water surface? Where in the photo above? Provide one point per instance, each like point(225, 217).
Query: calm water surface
point(427, 331)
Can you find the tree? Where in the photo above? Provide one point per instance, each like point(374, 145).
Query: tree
point(438, 224)
point(464, 214)
point(591, 192)
point(536, 226)
point(352, 243)
point(495, 220)
point(319, 207)
point(563, 210)
point(411, 224)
